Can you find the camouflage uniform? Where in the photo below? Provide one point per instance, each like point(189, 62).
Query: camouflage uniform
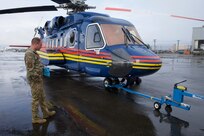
point(34, 76)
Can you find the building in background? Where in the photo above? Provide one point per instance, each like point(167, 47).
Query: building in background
point(198, 38)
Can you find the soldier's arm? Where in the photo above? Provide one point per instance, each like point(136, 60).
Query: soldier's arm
point(30, 62)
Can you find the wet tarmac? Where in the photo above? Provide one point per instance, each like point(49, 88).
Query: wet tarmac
point(84, 108)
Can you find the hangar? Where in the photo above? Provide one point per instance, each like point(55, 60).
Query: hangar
point(198, 38)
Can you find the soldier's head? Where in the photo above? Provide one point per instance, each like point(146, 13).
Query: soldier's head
point(36, 43)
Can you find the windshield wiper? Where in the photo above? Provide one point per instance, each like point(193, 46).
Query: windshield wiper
point(132, 36)
point(127, 35)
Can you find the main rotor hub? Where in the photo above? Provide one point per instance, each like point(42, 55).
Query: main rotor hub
point(75, 6)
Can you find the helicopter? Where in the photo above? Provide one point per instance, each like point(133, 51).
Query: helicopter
point(93, 43)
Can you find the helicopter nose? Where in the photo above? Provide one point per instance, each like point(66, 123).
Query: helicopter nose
point(120, 69)
point(125, 63)
point(121, 64)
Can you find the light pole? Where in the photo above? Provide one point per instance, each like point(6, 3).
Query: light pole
point(154, 44)
point(178, 44)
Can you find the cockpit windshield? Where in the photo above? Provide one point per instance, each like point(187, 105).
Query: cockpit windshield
point(114, 34)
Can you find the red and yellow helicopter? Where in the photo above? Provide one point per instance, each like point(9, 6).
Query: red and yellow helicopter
point(93, 43)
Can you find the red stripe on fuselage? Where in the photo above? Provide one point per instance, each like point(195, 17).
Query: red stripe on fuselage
point(101, 55)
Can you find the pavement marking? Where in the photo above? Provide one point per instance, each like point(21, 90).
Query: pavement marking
point(90, 127)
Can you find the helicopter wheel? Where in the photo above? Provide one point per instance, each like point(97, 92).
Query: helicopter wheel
point(127, 82)
point(108, 81)
point(116, 81)
point(168, 109)
point(138, 81)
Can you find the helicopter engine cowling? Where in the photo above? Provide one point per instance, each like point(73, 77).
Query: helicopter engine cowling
point(46, 28)
point(52, 26)
point(57, 22)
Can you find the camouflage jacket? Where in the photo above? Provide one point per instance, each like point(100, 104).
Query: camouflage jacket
point(33, 66)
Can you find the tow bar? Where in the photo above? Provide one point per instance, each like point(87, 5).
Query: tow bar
point(176, 100)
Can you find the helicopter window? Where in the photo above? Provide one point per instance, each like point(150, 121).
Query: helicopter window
point(65, 41)
point(114, 34)
point(135, 34)
point(70, 39)
point(58, 42)
point(50, 43)
point(61, 42)
point(94, 37)
point(54, 43)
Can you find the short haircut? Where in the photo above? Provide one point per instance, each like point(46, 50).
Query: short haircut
point(35, 40)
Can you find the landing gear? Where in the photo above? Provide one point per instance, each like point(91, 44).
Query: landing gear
point(127, 82)
point(138, 81)
point(110, 81)
point(131, 81)
point(106, 82)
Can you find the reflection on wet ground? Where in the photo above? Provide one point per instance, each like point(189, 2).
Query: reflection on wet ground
point(84, 108)
point(176, 124)
point(15, 105)
point(60, 124)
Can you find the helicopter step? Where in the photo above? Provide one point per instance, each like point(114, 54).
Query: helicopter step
point(179, 92)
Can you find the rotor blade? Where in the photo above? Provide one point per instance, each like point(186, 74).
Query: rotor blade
point(118, 9)
point(28, 9)
point(20, 46)
point(61, 1)
point(189, 18)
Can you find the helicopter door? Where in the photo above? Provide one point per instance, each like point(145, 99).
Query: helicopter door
point(95, 42)
point(94, 38)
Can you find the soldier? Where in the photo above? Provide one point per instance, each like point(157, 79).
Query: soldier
point(34, 76)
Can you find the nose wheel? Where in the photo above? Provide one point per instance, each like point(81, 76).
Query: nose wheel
point(110, 81)
point(131, 81)
point(107, 82)
point(138, 81)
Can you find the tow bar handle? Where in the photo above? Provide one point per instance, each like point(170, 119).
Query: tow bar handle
point(175, 85)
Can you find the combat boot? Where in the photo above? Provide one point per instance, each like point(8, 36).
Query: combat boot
point(39, 121)
point(49, 114)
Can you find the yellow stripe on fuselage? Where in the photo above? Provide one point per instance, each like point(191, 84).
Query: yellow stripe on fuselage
point(52, 58)
point(149, 64)
point(90, 60)
point(86, 58)
point(146, 68)
point(50, 54)
point(87, 61)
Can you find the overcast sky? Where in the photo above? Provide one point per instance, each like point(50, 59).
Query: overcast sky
point(150, 17)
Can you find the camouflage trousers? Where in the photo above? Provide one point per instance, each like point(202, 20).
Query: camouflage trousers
point(38, 98)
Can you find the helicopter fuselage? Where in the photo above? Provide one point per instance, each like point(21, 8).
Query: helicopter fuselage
point(98, 45)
